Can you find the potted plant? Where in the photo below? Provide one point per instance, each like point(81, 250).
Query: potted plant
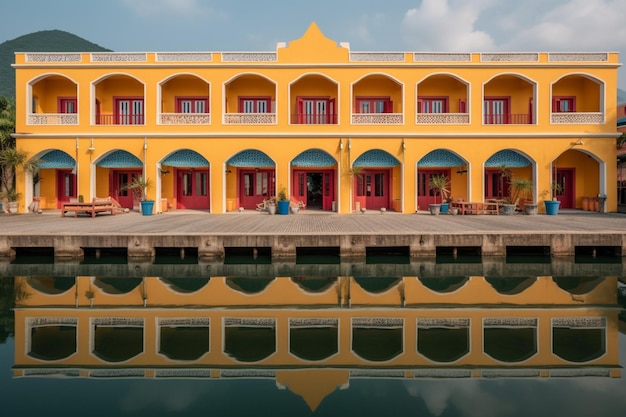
point(521, 192)
point(441, 185)
point(356, 175)
point(10, 160)
point(139, 186)
point(283, 201)
point(552, 205)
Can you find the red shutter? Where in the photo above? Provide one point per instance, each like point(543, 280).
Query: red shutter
point(331, 112)
point(388, 106)
point(299, 110)
point(420, 105)
point(462, 105)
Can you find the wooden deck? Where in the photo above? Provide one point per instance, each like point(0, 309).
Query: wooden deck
point(352, 234)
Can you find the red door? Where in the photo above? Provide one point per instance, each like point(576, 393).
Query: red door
point(315, 188)
point(192, 189)
point(497, 183)
point(426, 195)
point(119, 182)
point(255, 186)
point(66, 186)
point(566, 193)
point(374, 187)
point(328, 193)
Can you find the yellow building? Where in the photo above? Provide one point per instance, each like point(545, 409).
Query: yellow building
point(224, 131)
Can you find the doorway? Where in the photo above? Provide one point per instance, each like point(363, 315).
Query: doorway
point(316, 188)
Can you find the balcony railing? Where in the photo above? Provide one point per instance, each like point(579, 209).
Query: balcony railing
point(442, 118)
point(377, 118)
point(313, 119)
point(185, 118)
point(577, 118)
point(250, 118)
point(50, 119)
point(507, 119)
point(120, 119)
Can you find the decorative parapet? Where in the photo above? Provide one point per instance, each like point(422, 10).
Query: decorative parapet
point(578, 57)
point(51, 119)
point(510, 322)
point(441, 57)
point(306, 322)
point(378, 322)
point(118, 57)
point(510, 57)
point(377, 56)
point(377, 118)
point(585, 322)
point(117, 373)
point(247, 373)
point(250, 118)
point(183, 373)
point(443, 322)
point(249, 322)
point(186, 118)
point(442, 118)
point(577, 118)
point(185, 321)
point(184, 57)
point(117, 321)
point(53, 57)
point(442, 373)
point(249, 57)
point(51, 321)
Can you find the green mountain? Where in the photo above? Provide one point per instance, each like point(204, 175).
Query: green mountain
point(43, 41)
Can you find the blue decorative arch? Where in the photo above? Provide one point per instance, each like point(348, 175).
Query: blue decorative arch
point(509, 158)
point(120, 159)
point(376, 158)
point(56, 160)
point(251, 158)
point(186, 158)
point(313, 158)
point(440, 158)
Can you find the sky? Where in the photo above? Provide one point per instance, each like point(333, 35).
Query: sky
point(367, 25)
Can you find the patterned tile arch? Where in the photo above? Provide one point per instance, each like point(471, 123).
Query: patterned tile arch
point(314, 158)
point(120, 159)
point(186, 158)
point(56, 160)
point(376, 158)
point(440, 158)
point(251, 158)
point(509, 158)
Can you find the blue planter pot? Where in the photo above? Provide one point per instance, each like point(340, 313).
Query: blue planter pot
point(147, 207)
point(552, 207)
point(283, 207)
point(444, 208)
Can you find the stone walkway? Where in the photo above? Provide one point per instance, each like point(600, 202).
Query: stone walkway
point(190, 222)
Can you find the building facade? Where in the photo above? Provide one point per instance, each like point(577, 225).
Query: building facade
point(337, 130)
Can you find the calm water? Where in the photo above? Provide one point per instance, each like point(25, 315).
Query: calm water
point(454, 337)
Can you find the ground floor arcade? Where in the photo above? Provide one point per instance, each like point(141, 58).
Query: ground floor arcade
point(327, 173)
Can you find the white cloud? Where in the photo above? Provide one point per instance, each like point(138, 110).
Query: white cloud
point(576, 25)
point(446, 25)
point(187, 9)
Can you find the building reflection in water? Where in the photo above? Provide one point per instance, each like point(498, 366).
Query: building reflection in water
point(313, 335)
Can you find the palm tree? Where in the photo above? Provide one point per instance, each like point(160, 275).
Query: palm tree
point(441, 185)
point(10, 160)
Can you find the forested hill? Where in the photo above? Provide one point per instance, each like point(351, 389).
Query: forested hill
point(43, 41)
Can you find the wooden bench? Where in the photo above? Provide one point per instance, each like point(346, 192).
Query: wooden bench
point(471, 207)
point(97, 205)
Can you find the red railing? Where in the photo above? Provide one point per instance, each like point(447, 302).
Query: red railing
point(119, 119)
point(313, 119)
point(507, 119)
